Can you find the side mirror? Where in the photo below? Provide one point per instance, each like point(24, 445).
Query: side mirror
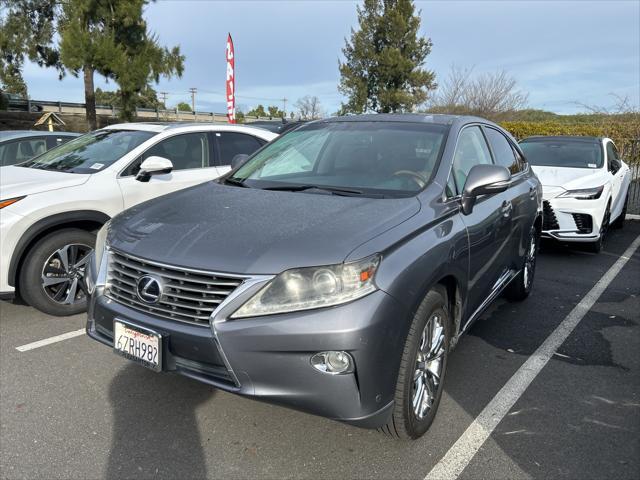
point(239, 160)
point(153, 166)
point(483, 180)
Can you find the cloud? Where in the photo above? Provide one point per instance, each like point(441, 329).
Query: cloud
point(560, 52)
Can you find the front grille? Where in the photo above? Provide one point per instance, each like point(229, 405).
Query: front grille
point(549, 220)
point(187, 296)
point(584, 222)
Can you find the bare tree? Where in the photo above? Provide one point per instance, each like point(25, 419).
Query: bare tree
point(493, 95)
point(452, 91)
point(622, 105)
point(309, 107)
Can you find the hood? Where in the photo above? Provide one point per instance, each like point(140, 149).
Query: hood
point(557, 179)
point(18, 181)
point(252, 231)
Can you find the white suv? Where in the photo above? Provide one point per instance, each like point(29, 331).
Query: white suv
point(585, 186)
point(52, 205)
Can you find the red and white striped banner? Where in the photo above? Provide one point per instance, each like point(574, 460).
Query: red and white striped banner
point(231, 82)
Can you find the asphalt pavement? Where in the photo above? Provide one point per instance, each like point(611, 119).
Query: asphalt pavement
point(73, 409)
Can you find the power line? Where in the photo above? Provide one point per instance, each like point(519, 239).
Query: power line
point(244, 96)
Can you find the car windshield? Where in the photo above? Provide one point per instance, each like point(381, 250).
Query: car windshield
point(90, 153)
point(563, 153)
point(348, 158)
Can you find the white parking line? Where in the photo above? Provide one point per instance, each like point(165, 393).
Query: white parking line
point(50, 340)
point(465, 448)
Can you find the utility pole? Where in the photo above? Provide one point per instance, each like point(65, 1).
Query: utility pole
point(284, 107)
point(193, 91)
point(164, 96)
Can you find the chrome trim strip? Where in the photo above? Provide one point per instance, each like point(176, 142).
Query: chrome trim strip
point(248, 287)
point(176, 267)
point(506, 278)
point(575, 236)
point(234, 300)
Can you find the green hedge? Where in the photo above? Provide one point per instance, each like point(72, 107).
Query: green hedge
point(626, 134)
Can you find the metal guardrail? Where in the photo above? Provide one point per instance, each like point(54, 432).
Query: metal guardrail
point(150, 113)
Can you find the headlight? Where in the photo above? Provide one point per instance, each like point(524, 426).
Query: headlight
point(9, 201)
point(584, 194)
point(101, 242)
point(313, 287)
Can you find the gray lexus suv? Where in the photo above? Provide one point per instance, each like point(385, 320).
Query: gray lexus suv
point(333, 271)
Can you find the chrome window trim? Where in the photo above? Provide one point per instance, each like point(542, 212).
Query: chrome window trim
point(121, 172)
point(453, 157)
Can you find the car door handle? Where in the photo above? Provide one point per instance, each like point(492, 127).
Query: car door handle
point(507, 208)
point(533, 192)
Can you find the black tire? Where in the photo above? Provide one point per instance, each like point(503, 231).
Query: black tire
point(404, 422)
point(44, 261)
point(520, 287)
point(619, 222)
point(596, 246)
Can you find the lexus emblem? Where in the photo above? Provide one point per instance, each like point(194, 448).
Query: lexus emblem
point(149, 289)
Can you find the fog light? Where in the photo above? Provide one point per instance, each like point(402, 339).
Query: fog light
point(333, 362)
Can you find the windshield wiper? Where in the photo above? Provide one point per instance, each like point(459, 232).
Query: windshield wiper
point(236, 182)
point(333, 190)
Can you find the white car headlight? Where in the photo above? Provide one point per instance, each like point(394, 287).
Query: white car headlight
point(101, 242)
point(313, 287)
point(584, 194)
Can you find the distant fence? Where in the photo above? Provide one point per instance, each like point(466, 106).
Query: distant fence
point(146, 113)
point(633, 157)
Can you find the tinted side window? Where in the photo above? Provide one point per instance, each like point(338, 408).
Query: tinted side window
point(502, 151)
point(186, 151)
point(471, 150)
point(5, 153)
point(232, 144)
point(521, 160)
point(22, 150)
point(612, 157)
point(30, 148)
point(450, 189)
point(53, 142)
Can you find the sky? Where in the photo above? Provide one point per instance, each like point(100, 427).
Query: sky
point(565, 54)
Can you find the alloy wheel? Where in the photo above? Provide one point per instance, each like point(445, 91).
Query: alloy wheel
point(63, 274)
point(428, 368)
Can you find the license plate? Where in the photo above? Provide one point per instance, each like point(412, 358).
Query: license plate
point(137, 344)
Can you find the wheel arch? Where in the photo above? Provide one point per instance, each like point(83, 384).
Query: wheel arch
point(83, 219)
point(537, 223)
point(454, 301)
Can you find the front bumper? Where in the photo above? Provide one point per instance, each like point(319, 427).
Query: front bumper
point(268, 358)
point(573, 220)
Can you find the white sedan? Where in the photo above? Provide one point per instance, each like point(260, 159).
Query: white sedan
point(585, 186)
point(52, 205)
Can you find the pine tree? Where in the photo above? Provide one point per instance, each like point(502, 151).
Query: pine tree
point(384, 60)
point(109, 38)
